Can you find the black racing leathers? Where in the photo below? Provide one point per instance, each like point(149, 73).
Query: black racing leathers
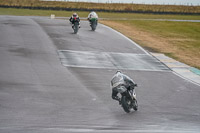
point(74, 19)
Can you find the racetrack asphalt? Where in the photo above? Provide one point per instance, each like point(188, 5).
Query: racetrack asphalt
point(54, 81)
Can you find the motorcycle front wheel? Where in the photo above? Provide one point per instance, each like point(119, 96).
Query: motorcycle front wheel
point(126, 104)
point(135, 105)
point(76, 27)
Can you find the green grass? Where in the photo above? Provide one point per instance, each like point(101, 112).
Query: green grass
point(28, 12)
point(147, 16)
point(168, 28)
point(172, 30)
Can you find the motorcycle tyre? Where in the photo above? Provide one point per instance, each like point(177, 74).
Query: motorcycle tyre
point(125, 106)
point(76, 26)
point(93, 27)
point(135, 105)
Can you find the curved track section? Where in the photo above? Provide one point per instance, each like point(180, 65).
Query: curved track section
point(53, 81)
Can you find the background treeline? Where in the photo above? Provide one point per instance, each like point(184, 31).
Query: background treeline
point(104, 7)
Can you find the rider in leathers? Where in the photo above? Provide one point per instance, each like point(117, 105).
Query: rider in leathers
point(120, 79)
point(91, 16)
point(74, 18)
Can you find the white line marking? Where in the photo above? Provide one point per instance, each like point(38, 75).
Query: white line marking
point(94, 59)
point(148, 70)
point(100, 52)
point(99, 130)
point(189, 80)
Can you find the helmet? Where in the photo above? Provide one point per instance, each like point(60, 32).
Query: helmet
point(75, 15)
point(118, 71)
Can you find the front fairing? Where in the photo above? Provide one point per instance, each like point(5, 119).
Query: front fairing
point(93, 19)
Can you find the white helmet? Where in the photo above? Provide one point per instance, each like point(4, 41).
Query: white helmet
point(118, 71)
point(75, 15)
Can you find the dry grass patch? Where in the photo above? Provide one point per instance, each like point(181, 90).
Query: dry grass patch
point(149, 41)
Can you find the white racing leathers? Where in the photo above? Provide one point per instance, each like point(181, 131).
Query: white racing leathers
point(120, 79)
point(92, 15)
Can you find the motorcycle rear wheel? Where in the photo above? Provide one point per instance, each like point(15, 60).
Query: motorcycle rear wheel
point(93, 26)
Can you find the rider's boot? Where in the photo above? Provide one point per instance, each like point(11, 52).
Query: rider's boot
point(120, 102)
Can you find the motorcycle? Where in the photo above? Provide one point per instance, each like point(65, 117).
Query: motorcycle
point(128, 98)
point(93, 23)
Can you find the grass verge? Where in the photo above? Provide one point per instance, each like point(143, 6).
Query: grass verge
point(29, 12)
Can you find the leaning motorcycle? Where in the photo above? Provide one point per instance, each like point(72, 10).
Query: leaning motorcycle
point(93, 23)
point(128, 98)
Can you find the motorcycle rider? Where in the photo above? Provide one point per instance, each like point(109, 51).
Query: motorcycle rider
point(75, 18)
point(91, 16)
point(120, 79)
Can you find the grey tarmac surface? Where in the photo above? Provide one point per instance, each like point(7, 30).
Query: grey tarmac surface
point(46, 87)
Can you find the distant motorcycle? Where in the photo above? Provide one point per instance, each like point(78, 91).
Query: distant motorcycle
point(127, 100)
point(75, 21)
point(93, 23)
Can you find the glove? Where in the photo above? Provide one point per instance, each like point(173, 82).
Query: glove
point(135, 85)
